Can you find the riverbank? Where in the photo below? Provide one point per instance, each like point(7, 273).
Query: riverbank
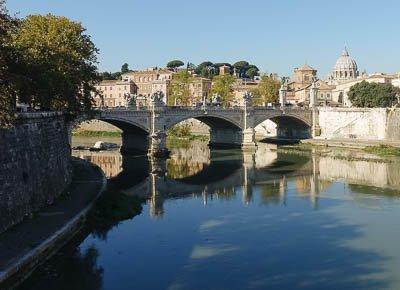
point(349, 143)
point(84, 133)
point(32, 242)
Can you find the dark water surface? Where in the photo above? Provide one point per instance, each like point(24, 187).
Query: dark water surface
point(285, 219)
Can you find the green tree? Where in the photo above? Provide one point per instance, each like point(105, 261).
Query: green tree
point(175, 64)
point(370, 95)
point(106, 76)
point(58, 61)
point(252, 71)
point(222, 85)
point(267, 90)
point(179, 89)
point(125, 68)
point(7, 90)
point(241, 67)
point(205, 69)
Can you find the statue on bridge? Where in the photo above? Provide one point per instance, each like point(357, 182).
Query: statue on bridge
point(130, 100)
point(216, 99)
point(157, 97)
point(248, 98)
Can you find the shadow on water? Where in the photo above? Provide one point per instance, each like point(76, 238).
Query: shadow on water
point(222, 164)
point(135, 169)
point(75, 268)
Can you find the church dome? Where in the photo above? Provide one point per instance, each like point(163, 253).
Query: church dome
point(345, 68)
point(345, 62)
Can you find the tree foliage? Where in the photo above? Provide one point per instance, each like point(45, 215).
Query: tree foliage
point(222, 85)
point(7, 90)
point(58, 61)
point(267, 90)
point(370, 95)
point(125, 68)
point(252, 72)
point(245, 70)
point(175, 64)
point(206, 69)
point(179, 89)
point(110, 76)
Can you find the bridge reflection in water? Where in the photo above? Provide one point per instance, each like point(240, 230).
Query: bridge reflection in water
point(198, 172)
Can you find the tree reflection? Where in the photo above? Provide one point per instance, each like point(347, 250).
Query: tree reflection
point(110, 209)
point(272, 193)
point(69, 269)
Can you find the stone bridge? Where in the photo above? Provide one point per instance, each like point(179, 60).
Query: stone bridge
point(146, 129)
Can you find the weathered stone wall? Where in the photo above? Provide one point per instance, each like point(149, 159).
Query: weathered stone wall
point(34, 165)
point(355, 123)
point(393, 125)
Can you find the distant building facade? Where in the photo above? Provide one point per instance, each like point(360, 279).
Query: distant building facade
point(199, 88)
point(111, 93)
point(149, 81)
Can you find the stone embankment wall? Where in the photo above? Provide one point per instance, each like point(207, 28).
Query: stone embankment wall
point(34, 165)
point(360, 123)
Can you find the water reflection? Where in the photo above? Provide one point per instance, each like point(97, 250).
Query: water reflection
point(263, 220)
point(195, 171)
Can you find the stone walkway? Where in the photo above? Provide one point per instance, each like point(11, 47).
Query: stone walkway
point(34, 240)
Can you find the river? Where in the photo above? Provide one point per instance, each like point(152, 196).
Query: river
point(275, 219)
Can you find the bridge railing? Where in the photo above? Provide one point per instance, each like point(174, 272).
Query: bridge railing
point(209, 107)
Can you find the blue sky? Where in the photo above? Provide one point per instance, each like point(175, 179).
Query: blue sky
point(275, 35)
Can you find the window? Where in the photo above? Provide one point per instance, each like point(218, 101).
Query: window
point(125, 88)
point(110, 88)
point(328, 96)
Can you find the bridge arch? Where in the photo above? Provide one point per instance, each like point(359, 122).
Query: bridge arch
point(225, 130)
point(210, 119)
point(288, 125)
point(124, 125)
point(135, 135)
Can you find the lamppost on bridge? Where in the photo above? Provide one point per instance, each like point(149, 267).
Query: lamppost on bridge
point(283, 93)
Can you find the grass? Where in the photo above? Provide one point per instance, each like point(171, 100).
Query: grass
point(383, 150)
point(96, 134)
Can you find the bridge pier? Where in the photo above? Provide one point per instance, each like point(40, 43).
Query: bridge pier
point(225, 138)
point(248, 139)
point(158, 169)
point(158, 145)
point(134, 143)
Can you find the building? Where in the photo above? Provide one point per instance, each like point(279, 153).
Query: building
point(340, 92)
point(199, 88)
point(111, 93)
point(303, 76)
point(300, 85)
point(240, 87)
point(345, 69)
point(224, 70)
point(150, 80)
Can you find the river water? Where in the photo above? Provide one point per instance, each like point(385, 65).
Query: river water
point(222, 219)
